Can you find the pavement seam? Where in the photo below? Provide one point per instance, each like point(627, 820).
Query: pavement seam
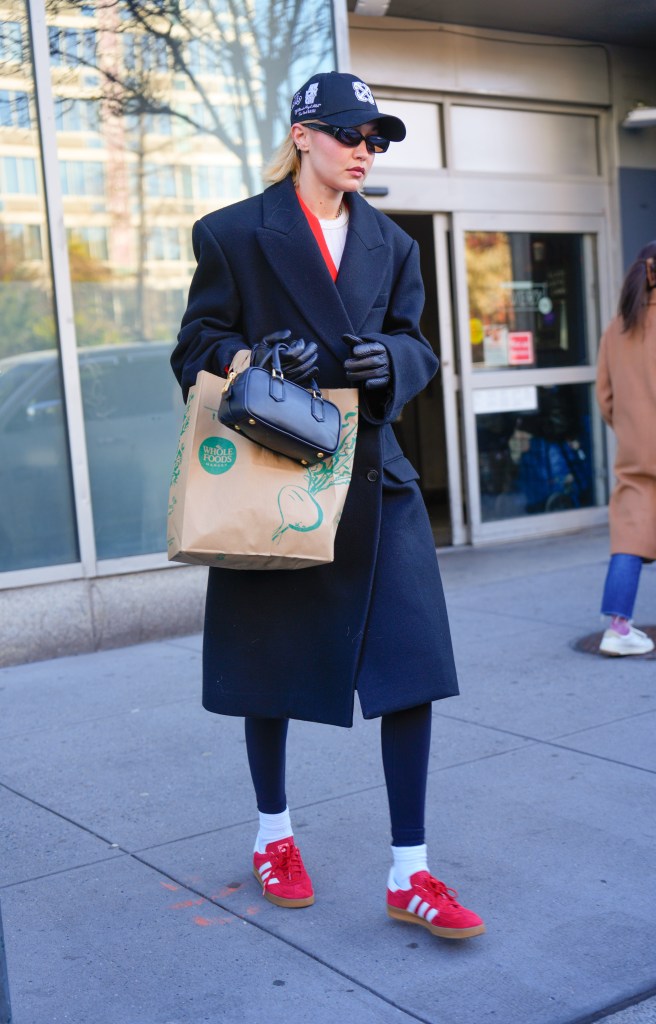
point(118, 855)
point(533, 740)
point(330, 799)
point(546, 743)
point(610, 1011)
point(482, 757)
point(492, 728)
point(602, 725)
point(600, 757)
point(58, 814)
point(551, 743)
point(123, 853)
point(286, 942)
point(540, 739)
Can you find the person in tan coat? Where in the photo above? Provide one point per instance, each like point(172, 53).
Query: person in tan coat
point(626, 393)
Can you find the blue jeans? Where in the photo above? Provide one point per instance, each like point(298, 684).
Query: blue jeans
point(621, 586)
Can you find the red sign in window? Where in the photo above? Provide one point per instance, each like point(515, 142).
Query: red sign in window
point(520, 348)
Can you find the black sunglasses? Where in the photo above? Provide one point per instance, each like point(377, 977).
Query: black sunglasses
point(352, 137)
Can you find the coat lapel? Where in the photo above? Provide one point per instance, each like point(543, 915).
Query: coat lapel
point(294, 256)
point(364, 263)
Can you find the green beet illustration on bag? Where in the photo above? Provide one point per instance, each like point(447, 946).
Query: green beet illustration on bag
point(299, 510)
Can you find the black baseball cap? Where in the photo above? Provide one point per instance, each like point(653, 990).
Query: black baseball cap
point(343, 101)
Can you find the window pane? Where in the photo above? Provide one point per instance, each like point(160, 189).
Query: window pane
point(422, 146)
point(37, 515)
point(532, 299)
point(536, 453)
point(14, 109)
point(11, 42)
point(132, 413)
point(160, 154)
point(524, 142)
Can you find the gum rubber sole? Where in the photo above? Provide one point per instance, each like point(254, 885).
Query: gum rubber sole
point(434, 929)
point(280, 901)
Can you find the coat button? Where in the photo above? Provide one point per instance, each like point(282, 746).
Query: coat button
point(372, 475)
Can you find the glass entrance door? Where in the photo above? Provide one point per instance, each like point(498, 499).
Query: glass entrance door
point(428, 426)
point(529, 324)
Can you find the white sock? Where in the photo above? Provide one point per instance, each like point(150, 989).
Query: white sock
point(273, 827)
point(407, 860)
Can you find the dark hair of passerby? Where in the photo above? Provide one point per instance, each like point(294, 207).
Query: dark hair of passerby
point(639, 284)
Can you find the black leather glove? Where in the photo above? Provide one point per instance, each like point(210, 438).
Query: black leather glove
point(370, 363)
point(298, 360)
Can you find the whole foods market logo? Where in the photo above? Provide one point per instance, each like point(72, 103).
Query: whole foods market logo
point(217, 455)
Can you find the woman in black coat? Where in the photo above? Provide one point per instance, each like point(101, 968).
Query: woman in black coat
point(309, 256)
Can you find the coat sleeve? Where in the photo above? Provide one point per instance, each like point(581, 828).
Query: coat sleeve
point(604, 387)
point(209, 336)
point(412, 360)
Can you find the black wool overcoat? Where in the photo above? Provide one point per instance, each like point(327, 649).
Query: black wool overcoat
point(298, 643)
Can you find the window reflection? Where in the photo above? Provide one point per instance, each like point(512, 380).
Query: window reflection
point(37, 516)
point(529, 300)
point(538, 456)
point(131, 410)
point(161, 116)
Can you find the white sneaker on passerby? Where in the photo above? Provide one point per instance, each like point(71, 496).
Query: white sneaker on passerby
point(617, 645)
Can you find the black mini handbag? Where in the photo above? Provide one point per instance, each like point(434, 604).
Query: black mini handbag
point(279, 414)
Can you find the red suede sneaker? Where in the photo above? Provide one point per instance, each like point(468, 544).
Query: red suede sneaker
point(282, 875)
point(428, 902)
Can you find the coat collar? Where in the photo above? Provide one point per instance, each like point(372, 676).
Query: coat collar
point(291, 250)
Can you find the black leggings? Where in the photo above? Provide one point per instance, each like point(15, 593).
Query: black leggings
point(405, 740)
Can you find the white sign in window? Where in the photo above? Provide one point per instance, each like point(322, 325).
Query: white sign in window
point(524, 399)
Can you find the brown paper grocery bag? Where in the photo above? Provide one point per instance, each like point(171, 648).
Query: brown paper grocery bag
point(236, 505)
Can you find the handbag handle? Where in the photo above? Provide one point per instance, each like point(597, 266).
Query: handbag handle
point(276, 370)
point(277, 384)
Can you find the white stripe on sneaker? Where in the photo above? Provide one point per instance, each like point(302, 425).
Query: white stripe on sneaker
point(421, 912)
point(414, 903)
point(431, 914)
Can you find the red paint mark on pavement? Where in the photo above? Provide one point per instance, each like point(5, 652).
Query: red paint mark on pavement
point(207, 922)
point(167, 885)
point(251, 911)
point(186, 903)
point(227, 890)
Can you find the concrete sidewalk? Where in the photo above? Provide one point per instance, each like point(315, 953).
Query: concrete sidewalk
point(127, 823)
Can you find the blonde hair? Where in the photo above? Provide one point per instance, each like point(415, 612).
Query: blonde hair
point(285, 161)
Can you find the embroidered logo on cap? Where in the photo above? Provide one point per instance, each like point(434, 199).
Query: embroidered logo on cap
point(306, 106)
point(362, 93)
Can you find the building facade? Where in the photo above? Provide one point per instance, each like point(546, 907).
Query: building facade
point(122, 122)
point(528, 198)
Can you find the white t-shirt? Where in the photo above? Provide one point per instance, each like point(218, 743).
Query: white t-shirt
point(334, 232)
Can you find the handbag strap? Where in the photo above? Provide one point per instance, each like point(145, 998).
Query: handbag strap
point(281, 346)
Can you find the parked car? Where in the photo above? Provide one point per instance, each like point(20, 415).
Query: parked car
point(132, 413)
